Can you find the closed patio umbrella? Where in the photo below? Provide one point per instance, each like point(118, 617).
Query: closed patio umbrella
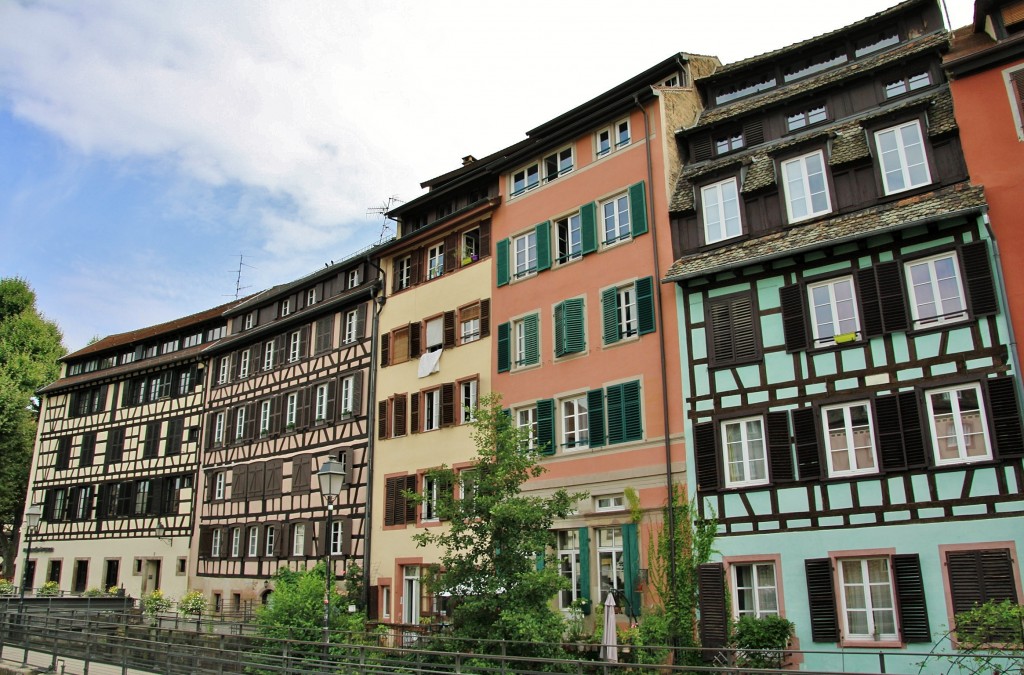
point(609, 640)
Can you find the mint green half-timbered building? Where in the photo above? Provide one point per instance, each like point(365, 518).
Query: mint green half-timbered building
point(850, 384)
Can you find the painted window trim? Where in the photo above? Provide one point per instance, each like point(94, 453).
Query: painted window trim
point(801, 161)
point(986, 434)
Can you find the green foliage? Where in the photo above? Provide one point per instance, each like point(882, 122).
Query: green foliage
point(155, 602)
point(30, 347)
point(761, 642)
point(94, 592)
point(988, 639)
point(688, 542)
point(193, 602)
point(49, 589)
point(6, 587)
point(494, 537)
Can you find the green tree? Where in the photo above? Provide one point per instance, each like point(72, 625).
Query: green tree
point(494, 535)
point(30, 347)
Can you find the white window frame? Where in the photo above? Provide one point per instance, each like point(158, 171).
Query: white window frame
point(899, 155)
point(519, 341)
point(347, 390)
point(616, 219)
point(320, 410)
point(250, 320)
point(265, 417)
point(298, 539)
point(613, 552)
point(610, 503)
point(807, 117)
point(756, 588)
point(268, 355)
point(574, 408)
point(351, 324)
point(564, 162)
point(435, 260)
point(573, 240)
point(310, 297)
point(569, 567)
point(836, 307)
point(411, 594)
point(849, 434)
point(224, 370)
point(219, 479)
point(243, 364)
point(935, 286)
point(713, 200)
point(236, 541)
point(467, 400)
point(963, 436)
point(430, 494)
point(469, 330)
point(869, 610)
point(269, 539)
point(747, 460)
point(1015, 99)
point(218, 429)
point(526, 418)
point(403, 272)
point(524, 251)
point(530, 179)
point(215, 543)
point(286, 307)
point(431, 409)
point(254, 541)
point(240, 423)
point(385, 602)
point(797, 178)
point(291, 410)
point(337, 537)
point(353, 278)
point(294, 346)
point(627, 312)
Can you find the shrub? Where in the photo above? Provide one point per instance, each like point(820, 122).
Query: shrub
point(155, 602)
point(94, 592)
point(761, 642)
point(193, 602)
point(6, 587)
point(49, 589)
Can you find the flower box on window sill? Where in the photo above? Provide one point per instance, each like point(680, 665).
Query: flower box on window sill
point(346, 415)
point(290, 427)
point(319, 421)
point(264, 433)
point(845, 337)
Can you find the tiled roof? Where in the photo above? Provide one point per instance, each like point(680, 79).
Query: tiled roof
point(760, 173)
point(849, 144)
point(179, 356)
point(827, 78)
point(143, 334)
point(959, 198)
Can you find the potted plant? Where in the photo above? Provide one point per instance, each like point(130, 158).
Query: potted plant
point(154, 603)
point(49, 589)
point(290, 426)
point(94, 592)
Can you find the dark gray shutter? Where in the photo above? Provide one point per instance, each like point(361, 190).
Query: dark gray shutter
point(504, 348)
point(704, 440)
point(794, 322)
point(821, 600)
point(889, 277)
point(239, 484)
point(910, 592)
point(414, 340)
point(981, 287)
point(890, 436)
point(714, 618)
point(385, 349)
point(485, 317)
point(399, 415)
point(805, 431)
point(1007, 435)
point(414, 412)
point(382, 419)
point(870, 306)
point(701, 146)
point(409, 505)
point(913, 433)
point(779, 450)
point(753, 133)
point(357, 393)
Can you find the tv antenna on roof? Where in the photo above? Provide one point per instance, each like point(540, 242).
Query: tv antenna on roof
point(383, 210)
point(238, 275)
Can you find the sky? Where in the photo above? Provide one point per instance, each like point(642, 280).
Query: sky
point(149, 151)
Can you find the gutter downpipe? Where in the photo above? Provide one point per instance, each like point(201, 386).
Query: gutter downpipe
point(1001, 290)
point(378, 299)
point(662, 360)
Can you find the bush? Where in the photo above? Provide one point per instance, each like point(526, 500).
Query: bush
point(193, 602)
point(6, 587)
point(49, 589)
point(155, 602)
point(94, 592)
point(761, 642)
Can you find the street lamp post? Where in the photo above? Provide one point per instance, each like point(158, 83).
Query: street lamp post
point(32, 516)
point(332, 477)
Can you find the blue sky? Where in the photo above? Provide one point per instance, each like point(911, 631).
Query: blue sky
point(144, 146)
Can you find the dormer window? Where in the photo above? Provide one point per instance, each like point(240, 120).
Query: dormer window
point(876, 42)
point(310, 297)
point(905, 84)
point(558, 164)
point(728, 143)
point(745, 88)
point(612, 138)
point(806, 118)
point(250, 320)
point(815, 64)
point(525, 179)
point(286, 307)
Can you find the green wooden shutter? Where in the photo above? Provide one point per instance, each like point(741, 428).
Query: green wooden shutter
point(504, 353)
point(588, 227)
point(595, 417)
point(532, 330)
point(583, 535)
point(632, 417)
point(540, 561)
point(638, 209)
point(544, 246)
point(645, 305)
point(546, 426)
point(571, 333)
point(501, 249)
point(631, 567)
point(609, 316)
point(560, 329)
point(616, 427)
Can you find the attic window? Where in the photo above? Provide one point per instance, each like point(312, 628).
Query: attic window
point(806, 118)
point(729, 143)
point(904, 84)
point(745, 88)
point(873, 43)
point(814, 64)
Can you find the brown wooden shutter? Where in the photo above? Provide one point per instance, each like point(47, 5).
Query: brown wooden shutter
point(409, 505)
point(390, 488)
point(451, 253)
point(250, 421)
point(821, 600)
point(910, 591)
point(704, 438)
point(280, 342)
point(780, 452)
point(1007, 435)
point(332, 399)
point(255, 480)
point(975, 577)
point(273, 478)
point(276, 414)
point(205, 541)
point(399, 413)
point(385, 349)
point(981, 287)
point(346, 535)
point(449, 330)
point(239, 483)
point(714, 618)
point(805, 431)
point(414, 266)
point(889, 277)
point(485, 238)
point(301, 474)
point(447, 404)
point(794, 322)
point(310, 535)
point(414, 340)
point(485, 317)
point(414, 412)
point(701, 146)
point(753, 133)
point(382, 419)
point(357, 393)
point(913, 433)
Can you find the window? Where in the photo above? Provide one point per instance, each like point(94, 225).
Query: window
point(186, 380)
point(979, 576)
point(250, 320)
point(430, 492)
point(721, 211)
point(904, 84)
point(310, 297)
point(901, 157)
point(732, 336)
point(160, 386)
point(115, 445)
point(850, 445)
point(469, 323)
point(294, 346)
point(575, 425)
point(526, 420)
point(628, 310)
point(833, 311)
point(745, 458)
point(525, 179)
point(385, 602)
point(570, 238)
point(728, 143)
point(527, 344)
point(806, 187)
point(558, 164)
point(337, 537)
point(347, 395)
point(321, 402)
point(354, 278)
point(569, 568)
point(215, 543)
point(218, 485)
point(755, 591)
point(467, 397)
point(291, 410)
point(397, 509)
point(525, 247)
point(151, 445)
point(351, 326)
point(254, 542)
point(240, 423)
point(270, 538)
point(265, 417)
point(87, 451)
point(298, 539)
point(143, 503)
point(615, 217)
point(470, 246)
point(403, 273)
point(609, 559)
point(435, 261)
point(268, 355)
point(410, 594)
point(243, 364)
point(218, 429)
point(434, 334)
point(223, 369)
point(958, 425)
point(609, 503)
point(868, 609)
point(936, 291)
point(286, 307)
point(1014, 79)
point(432, 409)
point(570, 324)
point(806, 118)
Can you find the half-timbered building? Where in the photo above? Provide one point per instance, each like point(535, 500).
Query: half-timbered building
point(852, 406)
point(116, 460)
point(287, 389)
point(435, 346)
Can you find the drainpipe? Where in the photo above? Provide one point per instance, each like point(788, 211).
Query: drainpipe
point(662, 357)
point(1001, 290)
point(379, 297)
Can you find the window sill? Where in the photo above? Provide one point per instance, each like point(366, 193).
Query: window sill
point(868, 643)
